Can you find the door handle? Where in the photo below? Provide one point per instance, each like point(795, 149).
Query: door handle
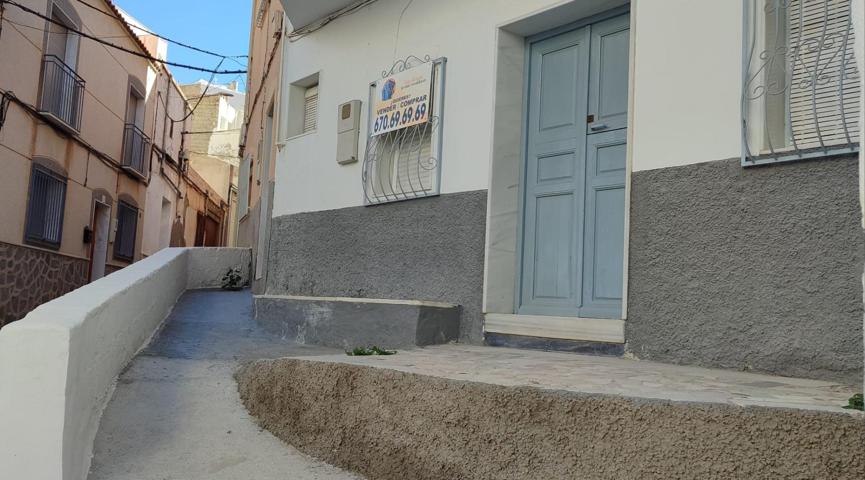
point(597, 126)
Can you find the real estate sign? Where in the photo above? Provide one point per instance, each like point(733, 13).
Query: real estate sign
point(402, 99)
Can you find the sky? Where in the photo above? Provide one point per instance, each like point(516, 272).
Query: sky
point(220, 26)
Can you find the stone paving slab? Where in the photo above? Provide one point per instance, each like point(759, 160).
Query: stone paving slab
point(609, 376)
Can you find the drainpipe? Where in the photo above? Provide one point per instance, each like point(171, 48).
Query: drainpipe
point(858, 16)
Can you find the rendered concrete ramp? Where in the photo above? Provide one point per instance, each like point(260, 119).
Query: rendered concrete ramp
point(176, 413)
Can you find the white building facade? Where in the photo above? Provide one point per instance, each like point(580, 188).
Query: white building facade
point(676, 180)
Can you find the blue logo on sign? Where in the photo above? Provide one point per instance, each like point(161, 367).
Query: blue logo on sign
point(387, 89)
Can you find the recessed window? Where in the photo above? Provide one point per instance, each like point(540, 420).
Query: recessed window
point(127, 225)
point(62, 88)
point(310, 108)
point(303, 106)
point(45, 206)
point(801, 88)
point(135, 142)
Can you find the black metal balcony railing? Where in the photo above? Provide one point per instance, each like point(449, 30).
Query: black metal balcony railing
point(135, 144)
point(62, 92)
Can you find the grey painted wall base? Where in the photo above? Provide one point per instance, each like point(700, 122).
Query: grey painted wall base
point(429, 249)
point(748, 268)
point(553, 344)
point(347, 324)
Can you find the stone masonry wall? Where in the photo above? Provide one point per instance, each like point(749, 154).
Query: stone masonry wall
point(31, 277)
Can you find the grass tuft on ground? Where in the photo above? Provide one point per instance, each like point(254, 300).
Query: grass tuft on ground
point(360, 351)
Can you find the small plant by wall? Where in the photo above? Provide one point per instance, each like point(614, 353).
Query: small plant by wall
point(856, 402)
point(232, 280)
point(360, 351)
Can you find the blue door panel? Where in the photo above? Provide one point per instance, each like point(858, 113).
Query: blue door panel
point(574, 178)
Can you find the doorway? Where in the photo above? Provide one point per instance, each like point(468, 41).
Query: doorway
point(573, 203)
point(165, 224)
point(101, 225)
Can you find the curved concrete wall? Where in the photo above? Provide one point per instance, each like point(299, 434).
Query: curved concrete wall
point(387, 424)
point(58, 364)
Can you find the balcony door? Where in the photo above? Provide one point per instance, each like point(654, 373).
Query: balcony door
point(62, 43)
point(574, 178)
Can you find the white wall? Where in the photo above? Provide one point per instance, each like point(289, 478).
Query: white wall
point(353, 51)
point(59, 363)
point(687, 78)
point(686, 105)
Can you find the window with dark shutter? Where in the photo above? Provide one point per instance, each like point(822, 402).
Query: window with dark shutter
point(45, 207)
point(127, 223)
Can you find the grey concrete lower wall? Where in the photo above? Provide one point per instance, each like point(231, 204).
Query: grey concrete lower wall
point(347, 324)
point(386, 424)
point(748, 268)
point(429, 249)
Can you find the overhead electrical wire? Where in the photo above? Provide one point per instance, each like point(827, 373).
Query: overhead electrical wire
point(213, 72)
point(123, 49)
point(176, 42)
point(307, 29)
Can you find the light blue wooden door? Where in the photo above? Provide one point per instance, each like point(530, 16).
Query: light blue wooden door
point(608, 86)
point(604, 242)
point(574, 202)
point(554, 176)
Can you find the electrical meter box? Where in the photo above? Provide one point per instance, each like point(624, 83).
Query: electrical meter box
point(347, 132)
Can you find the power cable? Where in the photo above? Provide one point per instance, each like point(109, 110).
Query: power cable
point(123, 49)
point(176, 42)
point(306, 30)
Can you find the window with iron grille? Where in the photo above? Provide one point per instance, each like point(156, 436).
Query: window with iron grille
point(406, 163)
point(45, 207)
point(800, 95)
point(127, 224)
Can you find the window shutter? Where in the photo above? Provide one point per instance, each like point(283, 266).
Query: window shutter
point(823, 67)
point(310, 109)
point(45, 208)
point(127, 223)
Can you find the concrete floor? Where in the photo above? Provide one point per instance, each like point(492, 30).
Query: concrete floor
point(176, 413)
point(610, 376)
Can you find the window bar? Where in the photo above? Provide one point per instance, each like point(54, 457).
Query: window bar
point(842, 75)
point(750, 21)
point(408, 164)
point(816, 74)
point(790, 58)
point(769, 57)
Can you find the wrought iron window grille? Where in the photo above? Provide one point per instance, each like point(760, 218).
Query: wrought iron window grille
point(405, 164)
point(62, 92)
point(135, 148)
point(45, 208)
point(801, 87)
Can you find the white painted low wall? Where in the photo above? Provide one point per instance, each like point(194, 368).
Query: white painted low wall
point(58, 365)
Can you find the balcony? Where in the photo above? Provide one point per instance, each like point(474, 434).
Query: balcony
point(62, 94)
point(135, 147)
